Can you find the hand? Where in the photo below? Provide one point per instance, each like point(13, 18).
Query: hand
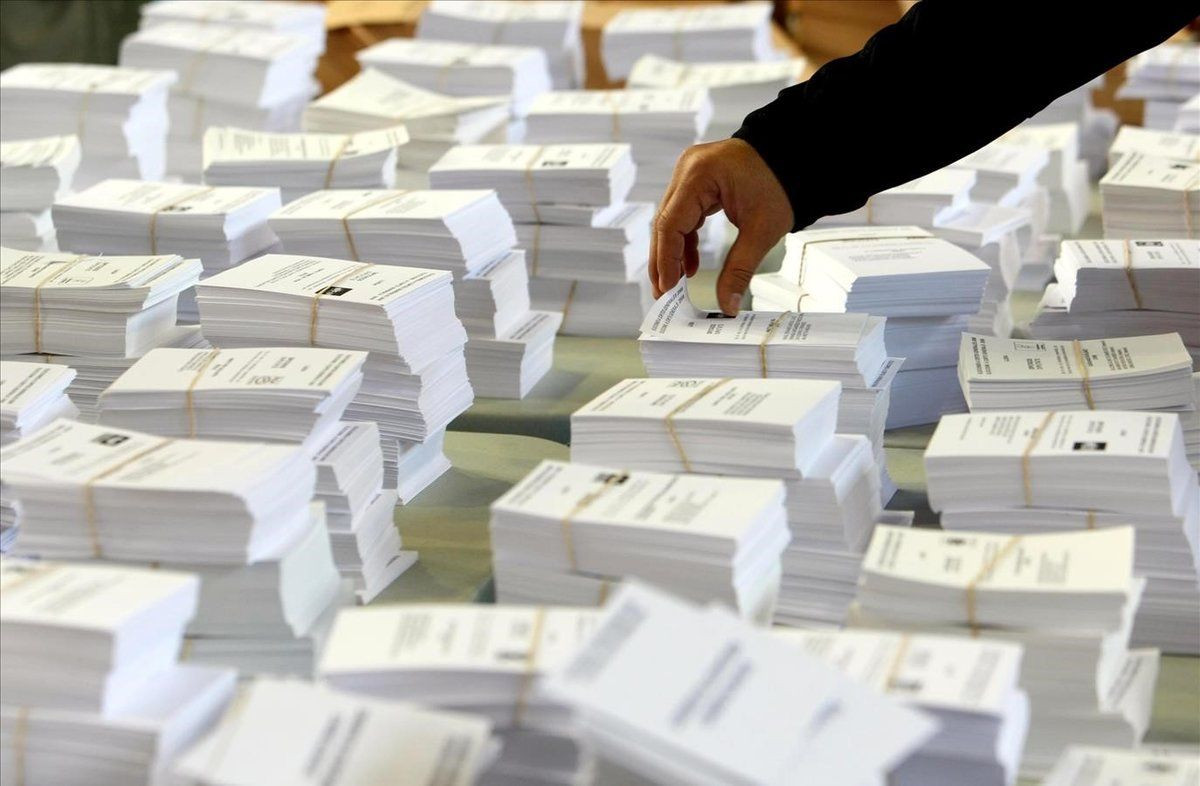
point(728, 175)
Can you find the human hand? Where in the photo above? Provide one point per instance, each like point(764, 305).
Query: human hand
point(728, 175)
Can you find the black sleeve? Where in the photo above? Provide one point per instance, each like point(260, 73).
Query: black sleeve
point(949, 77)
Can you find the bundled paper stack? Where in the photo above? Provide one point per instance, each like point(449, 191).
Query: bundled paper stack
point(970, 686)
point(358, 509)
point(550, 25)
point(1072, 616)
point(92, 692)
point(569, 533)
point(1065, 176)
point(1005, 174)
point(1164, 77)
point(288, 731)
point(1134, 373)
point(1187, 120)
point(736, 89)
point(719, 33)
point(1097, 127)
point(488, 661)
point(1155, 144)
point(926, 202)
point(254, 78)
point(465, 232)
point(1159, 766)
point(118, 114)
point(33, 173)
point(435, 122)
point(518, 73)
point(299, 164)
point(74, 304)
point(1137, 473)
point(927, 287)
point(672, 693)
point(1144, 197)
point(657, 124)
point(279, 16)
point(415, 379)
point(1190, 421)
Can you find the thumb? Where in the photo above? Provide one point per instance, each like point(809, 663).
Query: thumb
point(743, 259)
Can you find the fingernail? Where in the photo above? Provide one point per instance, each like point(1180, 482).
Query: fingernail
point(735, 305)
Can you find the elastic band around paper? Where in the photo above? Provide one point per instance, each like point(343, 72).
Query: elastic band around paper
point(316, 300)
point(337, 156)
point(19, 737)
point(1086, 376)
point(762, 345)
point(59, 269)
point(529, 185)
point(388, 197)
point(1026, 478)
point(171, 206)
point(531, 658)
point(897, 661)
point(89, 502)
point(189, 396)
point(984, 571)
point(669, 420)
point(567, 305)
point(582, 504)
point(1133, 286)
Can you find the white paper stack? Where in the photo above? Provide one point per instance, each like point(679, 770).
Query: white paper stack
point(1083, 765)
point(692, 35)
point(591, 308)
point(550, 25)
point(1190, 421)
point(1136, 472)
point(1072, 615)
point(570, 533)
point(288, 731)
point(33, 173)
point(74, 304)
point(268, 73)
point(1065, 175)
point(415, 379)
point(119, 114)
point(736, 88)
point(279, 16)
point(923, 202)
point(358, 509)
point(1097, 127)
point(458, 69)
point(678, 694)
point(436, 122)
point(1005, 174)
point(1187, 119)
point(658, 125)
point(299, 164)
point(488, 661)
point(970, 686)
point(1134, 373)
point(1155, 144)
point(1164, 77)
point(1151, 197)
point(92, 693)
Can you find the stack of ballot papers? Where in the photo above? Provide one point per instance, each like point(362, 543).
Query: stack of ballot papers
point(92, 693)
point(718, 33)
point(415, 379)
point(1119, 275)
point(658, 125)
point(1137, 373)
point(280, 16)
point(550, 25)
point(1072, 615)
point(1190, 421)
point(569, 533)
point(1005, 174)
point(118, 114)
point(483, 660)
point(971, 687)
point(268, 73)
point(299, 164)
point(1097, 127)
point(74, 304)
point(519, 73)
point(358, 509)
point(675, 693)
point(289, 731)
point(1136, 472)
point(1083, 765)
point(1164, 77)
point(591, 308)
point(1156, 144)
point(294, 395)
point(925, 202)
point(736, 89)
point(435, 122)
point(1065, 176)
point(33, 173)
point(1145, 197)
point(1187, 118)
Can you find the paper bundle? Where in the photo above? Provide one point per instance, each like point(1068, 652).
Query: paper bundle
point(288, 731)
point(366, 543)
point(1005, 174)
point(1072, 616)
point(1190, 421)
point(74, 304)
point(550, 25)
point(1065, 176)
point(279, 16)
point(1164, 77)
point(657, 124)
point(591, 308)
point(1116, 275)
point(1155, 144)
point(435, 122)
point(1085, 765)
point(924, 202)
point(1151, 197)
point(488, 661)
point(692, 35)
point(301, 163)
point(118, 114)
point(1187, 117)
point(34, 173)
point(1097, 127)
point(415, 378)
point(642, 681)
point(569, 533)
point(970, 686)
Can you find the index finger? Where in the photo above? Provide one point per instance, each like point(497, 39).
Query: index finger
point(682, 214)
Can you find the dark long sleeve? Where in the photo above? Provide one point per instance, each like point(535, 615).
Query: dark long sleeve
point(948, 78)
